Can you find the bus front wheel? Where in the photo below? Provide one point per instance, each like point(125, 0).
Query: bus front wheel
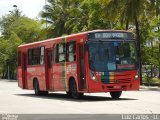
point(115, 94)
point(73, 90)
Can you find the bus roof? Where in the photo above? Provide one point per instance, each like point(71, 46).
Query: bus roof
point(72, 35)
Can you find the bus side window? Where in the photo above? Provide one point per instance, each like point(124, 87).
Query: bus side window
point(71, 51)
point(36, 56)
point(42, 56)
point(60, 51)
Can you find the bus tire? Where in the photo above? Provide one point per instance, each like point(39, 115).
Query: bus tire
point(44, 93)
point(115, 94)
point(68, 94)
point(36, 88)
point(74, 91)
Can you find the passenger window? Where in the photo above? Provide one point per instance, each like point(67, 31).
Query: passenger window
point(36, 56)
point(60, 53)
point(71, 51)
point(42, 56)
point(65, 52)
point(61, 58)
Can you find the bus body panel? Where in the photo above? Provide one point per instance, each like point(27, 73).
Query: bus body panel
point(19, 77)
point(36, 72)
point(58, 79)
point(123, 81)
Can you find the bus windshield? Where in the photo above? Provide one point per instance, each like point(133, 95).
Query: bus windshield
point(111, 55)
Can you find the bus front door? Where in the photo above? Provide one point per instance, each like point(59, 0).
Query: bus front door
point(48, 69)
point(24, 70)
point(82, 80)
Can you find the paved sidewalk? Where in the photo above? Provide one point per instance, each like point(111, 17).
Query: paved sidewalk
point(6, 80)
point(142, 87)
point(152, 88)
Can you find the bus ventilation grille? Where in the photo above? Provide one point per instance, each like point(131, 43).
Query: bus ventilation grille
point(108, 79)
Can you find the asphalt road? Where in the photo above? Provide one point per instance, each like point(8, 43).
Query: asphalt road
point(14, 100)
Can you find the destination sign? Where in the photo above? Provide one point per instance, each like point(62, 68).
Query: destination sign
point(111, 35)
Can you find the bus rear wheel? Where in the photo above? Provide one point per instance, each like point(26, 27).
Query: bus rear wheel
point(37, 90)
point(115, 94)
point(73, 90)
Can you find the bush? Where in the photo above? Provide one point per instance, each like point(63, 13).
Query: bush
point(150, 81)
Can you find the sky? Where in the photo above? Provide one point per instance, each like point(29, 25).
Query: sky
point(29, 8)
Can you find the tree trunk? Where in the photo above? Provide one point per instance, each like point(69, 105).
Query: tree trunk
point(127, 25)
point(159, 58)
point(6, 74)
point(152, 57)
point(3, 74)
point(139, 48)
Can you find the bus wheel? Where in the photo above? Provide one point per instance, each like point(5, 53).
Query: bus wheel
point(68, 94)
point(36, 88)
point(73, 90)
point(45, 93)
point(116, 94)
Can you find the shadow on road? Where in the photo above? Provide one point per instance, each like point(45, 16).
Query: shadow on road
point(85, 98)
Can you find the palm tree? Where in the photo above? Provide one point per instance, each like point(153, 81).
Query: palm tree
point(130, 11)
point(8, 19)
point(58, 12)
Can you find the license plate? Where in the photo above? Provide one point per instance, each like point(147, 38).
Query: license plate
point(117, 87)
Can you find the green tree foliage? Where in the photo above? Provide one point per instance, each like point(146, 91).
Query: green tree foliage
point(57, 12)
point(16, 29)
point(97, 19)
point(151, 34)
point(27, 30)
point(8, 54)
point(70, 16)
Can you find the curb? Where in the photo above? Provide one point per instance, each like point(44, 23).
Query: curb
point(6, 80)
point(150, 88)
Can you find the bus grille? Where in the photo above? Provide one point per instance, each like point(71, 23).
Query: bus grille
point(115, 78)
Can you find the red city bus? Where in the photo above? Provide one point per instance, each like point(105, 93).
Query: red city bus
point(87, 62)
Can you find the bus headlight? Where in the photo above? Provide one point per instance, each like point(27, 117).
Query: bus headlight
point(93, 76)
point(137, 75)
